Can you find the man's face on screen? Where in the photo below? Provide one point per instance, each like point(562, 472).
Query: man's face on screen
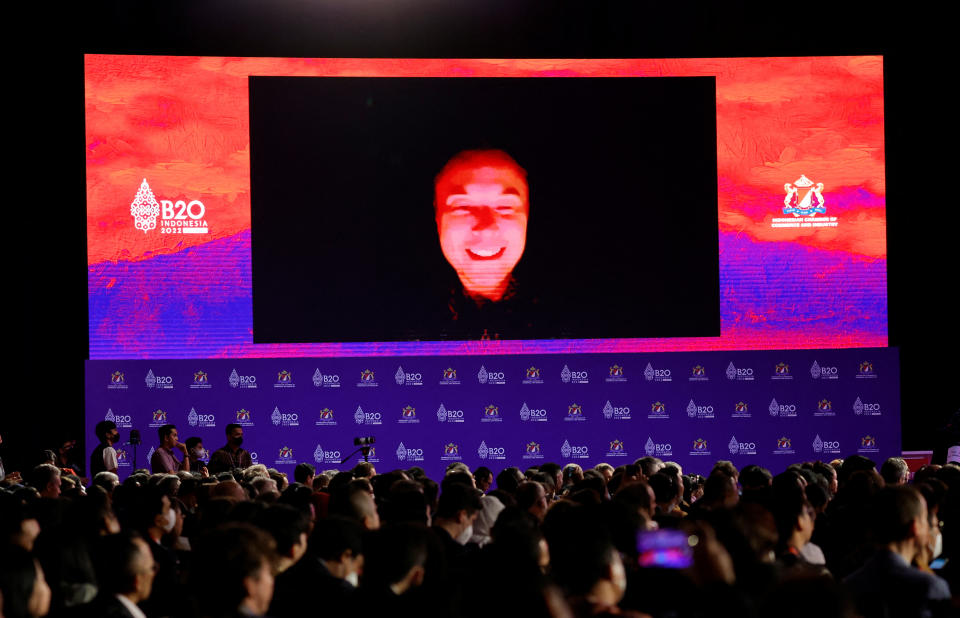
point(482, 221)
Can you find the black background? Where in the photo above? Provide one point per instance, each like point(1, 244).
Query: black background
point(47, 268)
point(622, 233)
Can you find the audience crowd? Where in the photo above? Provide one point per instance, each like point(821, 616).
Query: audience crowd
point(233, 538)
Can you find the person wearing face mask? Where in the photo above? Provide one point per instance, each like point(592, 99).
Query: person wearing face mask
point(195, 456)
point(887, 585)
point(157, 518)
point(230, 456)
point(104, 456)
point(934, 493)
point(328, 573)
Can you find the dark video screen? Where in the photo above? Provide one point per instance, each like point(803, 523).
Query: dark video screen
point(430, 209)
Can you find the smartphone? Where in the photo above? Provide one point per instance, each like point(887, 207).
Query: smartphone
point(665, 549)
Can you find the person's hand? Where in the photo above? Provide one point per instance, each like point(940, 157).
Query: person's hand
point(204, 472)
point(181, 446)
point(14, 477)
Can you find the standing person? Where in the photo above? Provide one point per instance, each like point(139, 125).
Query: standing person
point(230, 456)
point(163, 459)
point(104, 456)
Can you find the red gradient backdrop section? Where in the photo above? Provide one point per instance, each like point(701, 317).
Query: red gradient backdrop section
point(181, 123)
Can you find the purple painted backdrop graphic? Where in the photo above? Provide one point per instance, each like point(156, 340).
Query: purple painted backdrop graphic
point(770, 408)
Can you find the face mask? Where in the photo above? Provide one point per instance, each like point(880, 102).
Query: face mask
point(200, 453)
point(937, 548)
point(237, 441)
point(464, 537)
point(352, 578)
point(170, 522)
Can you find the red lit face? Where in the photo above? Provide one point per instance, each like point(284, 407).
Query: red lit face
point(482, 221)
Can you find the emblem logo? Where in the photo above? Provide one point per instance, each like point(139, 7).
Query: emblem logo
point(807, 206)
point(482, 375)
point(616, 374)
point(566, 449)
point(575, 412)
point(145, 208)
point(565, 375)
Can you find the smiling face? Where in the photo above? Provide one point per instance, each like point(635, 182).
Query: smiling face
point(481, 202)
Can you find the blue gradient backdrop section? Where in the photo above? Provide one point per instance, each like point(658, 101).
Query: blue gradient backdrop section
point(197, 303)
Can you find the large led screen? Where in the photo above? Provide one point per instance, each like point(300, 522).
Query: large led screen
point(265, 207)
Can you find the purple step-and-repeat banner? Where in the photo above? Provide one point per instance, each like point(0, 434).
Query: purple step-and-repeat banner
point(768, 408)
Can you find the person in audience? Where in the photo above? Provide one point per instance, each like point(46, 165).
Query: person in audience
point(490, 509)
point(532, 498)
point(572, 474)
point(887, 585)
point(453, 524)
point(395, 559)
point(23, 589)
point(483, 478)
point(649, 466)
point(509, 479)
point(104, 456)
point(330, 570)
point(66, 458)
point(163, 459)
point(237, 578)
point(195, 456)
point(125, 571)
point(364, 470)
point(107, 481)
point(606, 470)
point(895, 471)
point(304, 473)
point(156, 518)
point(230, 456)
point(46, 479)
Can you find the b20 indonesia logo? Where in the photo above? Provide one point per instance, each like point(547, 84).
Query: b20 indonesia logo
point(176, 216)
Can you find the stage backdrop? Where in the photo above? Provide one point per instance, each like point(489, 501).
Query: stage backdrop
point(768, 408)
